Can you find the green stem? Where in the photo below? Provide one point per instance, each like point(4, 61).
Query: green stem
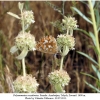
point(23, 60)
point(61, 63)
point(22, 22)
point(23, 26)
point(24, 68)
point(63, 7)
point(67, 31)
point(95, 29)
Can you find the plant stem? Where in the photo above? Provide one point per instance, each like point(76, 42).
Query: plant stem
point(63, 7)
point(23, 60)
point(24, 68)
point(22, 22)
point(95, 29)
point(61, 63)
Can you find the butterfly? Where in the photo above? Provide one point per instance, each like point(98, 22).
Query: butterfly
point(47, 44)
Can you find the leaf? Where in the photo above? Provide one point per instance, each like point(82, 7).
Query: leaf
point(83, 31)
point(14, 15)
point(20, 6)
point(65, 51)
point(84, 2)
point(81, 14)
point(23, 54)
point(98, 29)
point(93, 38)
point(89, 75)
point(92, 87)
point(87, 56)
point(96, 71)
point(98, 83)
point(95, 49)
point(93, 2)
point(58, 88)
point(97, 17)
point(13, 49)
point(97, 14)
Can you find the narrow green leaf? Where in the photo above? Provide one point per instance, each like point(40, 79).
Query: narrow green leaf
point(93, 38)
point(98, 83)
point(98, 29)
point(13, 49)
point(83, 31)
point(90, 85)
point(96, 71)
point(14, 15)
point(89, 75)
point(95, 49)
point(84, 2)
point(97, 17)
point(23, 54)
point(81, 14)
point(87, 56)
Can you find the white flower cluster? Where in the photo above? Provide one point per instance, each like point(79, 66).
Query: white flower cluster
point(27, 84)
point(59, 78)
point(70, 23)
point(27, 17)
point(25, 41)
point(66, 40)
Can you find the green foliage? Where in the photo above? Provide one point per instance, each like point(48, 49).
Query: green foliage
point(95, 21)
point(89, 75)
point(57, 24)
point(96, 71)
point(93, 38)
point(93, 87)
point(87, 56)
point(82, 15)
point(85, 32)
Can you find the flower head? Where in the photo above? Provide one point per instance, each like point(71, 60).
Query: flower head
point(70, 22)
point(25, 84)
point(66, 40)
point(27, 17)
point(23, 42)
point(47, 44)
point(58, 79)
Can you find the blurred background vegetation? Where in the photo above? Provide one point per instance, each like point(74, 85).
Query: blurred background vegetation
point(39, 64)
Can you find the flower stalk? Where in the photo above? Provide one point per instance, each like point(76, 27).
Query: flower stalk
point(22, 21)
point(23, 60)
point(61, 63)
point(95, 29)
point(24, 42)
point(24, 67)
